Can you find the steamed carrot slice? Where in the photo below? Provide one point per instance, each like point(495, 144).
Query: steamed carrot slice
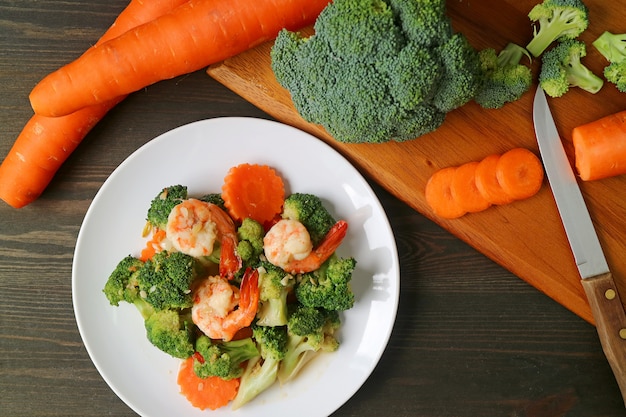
point(465, 191)
point(253, 191)
point(487, 181)
point(439, 196)
point(520, 173)
point(203, 393)
point(600, 147)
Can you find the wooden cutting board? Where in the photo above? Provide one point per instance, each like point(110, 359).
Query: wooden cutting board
point(526, 237)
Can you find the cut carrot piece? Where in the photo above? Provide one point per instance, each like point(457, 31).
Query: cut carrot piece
point(253, 191)
point(203, 393)
point(439, 197)
point(520, 173)
point(487, 181)
point(600, 147)
point(464, 190)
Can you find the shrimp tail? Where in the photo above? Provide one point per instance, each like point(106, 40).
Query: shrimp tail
point(323, 251)
point(249, 293)
point(230, 261)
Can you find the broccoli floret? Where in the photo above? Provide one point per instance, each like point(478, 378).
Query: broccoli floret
point(275, 286)
point(561, 68)
point(462, 74)
point(329, 286)
point(505, 78)
point(172, 331)
point(309, 210)
point(309, 331)
point(613, 47)
point(423, 21)
point(214, 198)
point(250, 235)
point(262, 372)
point(163, 203)
point(164, 282)
point(377, 70)
point(557, 20)
point(122, 283)
point(223, 359)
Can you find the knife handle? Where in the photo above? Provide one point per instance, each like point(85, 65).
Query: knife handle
point(608, 312)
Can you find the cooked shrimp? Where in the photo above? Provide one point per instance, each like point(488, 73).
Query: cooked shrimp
point(288, 245)
point(286, 241)
point(220, 309)
point(194, 226)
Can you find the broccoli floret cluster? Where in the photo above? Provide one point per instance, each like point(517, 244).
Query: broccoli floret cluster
point(275, 285)
point(250, 234)
point(160, 288)
point(163, 203)
point(223, 359)
point(329, 286)
point(561, 68)
point(310, 331)
point(557, 20)
point(613, 47)
point(378, 70)
point(505, 78)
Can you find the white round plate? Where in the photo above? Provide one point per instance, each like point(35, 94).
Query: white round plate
point(199, 155)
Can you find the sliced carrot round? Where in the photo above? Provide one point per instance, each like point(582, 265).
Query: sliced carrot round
point(520, 173)
point(464, 190)
point(253, 191)
point(439, 197)
point(487, 181)
point(203, 393)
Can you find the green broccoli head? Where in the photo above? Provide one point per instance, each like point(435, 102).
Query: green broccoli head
point(423, 21)
point(461, 76)
point(310, 331)
point(557, 20)
point(505, 78)
point(275, 285)
point(561, 68)
point(375, 70)
point(163, 203)
point(309, 210)
point(172, 332)
point(329, 286)
point(164, 282)
point(616, 73)
point(250, 233)
point(223, 359)
point(272, 341)
point(122, 283)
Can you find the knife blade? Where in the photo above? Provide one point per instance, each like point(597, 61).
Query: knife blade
point(597, 279)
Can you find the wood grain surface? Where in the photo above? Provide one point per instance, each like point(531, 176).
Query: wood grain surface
point(527, 237)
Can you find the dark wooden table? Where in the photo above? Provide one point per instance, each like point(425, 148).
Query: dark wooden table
point(470, 339)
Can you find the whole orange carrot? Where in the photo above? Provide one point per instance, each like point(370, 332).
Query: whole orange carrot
point(46, 142)
point(191, 37)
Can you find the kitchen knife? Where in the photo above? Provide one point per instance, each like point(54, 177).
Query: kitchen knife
point(606, 306)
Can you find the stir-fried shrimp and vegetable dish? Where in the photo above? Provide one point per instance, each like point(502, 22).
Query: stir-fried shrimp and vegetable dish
point(244, 302)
